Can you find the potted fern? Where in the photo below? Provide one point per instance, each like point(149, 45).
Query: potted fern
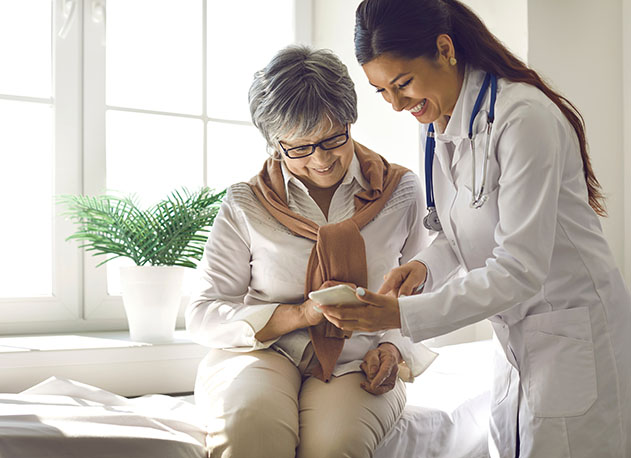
point(163, 241)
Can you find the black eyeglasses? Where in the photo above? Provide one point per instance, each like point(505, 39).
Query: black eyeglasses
point(327, 144)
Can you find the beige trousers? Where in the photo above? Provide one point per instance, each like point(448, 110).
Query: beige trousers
point(260, 405)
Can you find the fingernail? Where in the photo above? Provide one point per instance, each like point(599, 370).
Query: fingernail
point(361, 291)
point(317, 309)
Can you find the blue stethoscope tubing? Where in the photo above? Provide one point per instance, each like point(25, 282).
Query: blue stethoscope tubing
point(431, 221)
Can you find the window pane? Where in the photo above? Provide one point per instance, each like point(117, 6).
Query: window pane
point(154, 55)
point(26, 171)
point(25, 47)
point(237, 50)
point(151, 155)
point(235, 153)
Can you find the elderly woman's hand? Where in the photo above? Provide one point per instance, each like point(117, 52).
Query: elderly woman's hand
point(381, 366)
point(380, 312)
point(311, 310)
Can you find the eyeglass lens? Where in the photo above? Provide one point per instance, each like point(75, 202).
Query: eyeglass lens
point(327, 144)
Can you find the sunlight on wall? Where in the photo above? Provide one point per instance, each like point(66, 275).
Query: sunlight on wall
point(507, 20)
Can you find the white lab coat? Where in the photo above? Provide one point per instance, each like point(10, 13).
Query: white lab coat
point(536, 264)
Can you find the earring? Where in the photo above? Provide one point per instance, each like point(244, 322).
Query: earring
point(452, 61)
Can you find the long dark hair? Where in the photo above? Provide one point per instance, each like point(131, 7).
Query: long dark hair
point(409, 28)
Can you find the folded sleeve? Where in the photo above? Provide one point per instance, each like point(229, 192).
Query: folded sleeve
point(417, 356)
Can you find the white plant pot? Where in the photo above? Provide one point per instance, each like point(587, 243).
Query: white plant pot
point(152, 296)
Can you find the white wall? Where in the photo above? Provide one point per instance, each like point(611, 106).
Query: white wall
point(577, 45)
point(507, 20)
point(394, 135)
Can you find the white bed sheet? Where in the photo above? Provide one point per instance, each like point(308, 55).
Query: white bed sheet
point(446, 416)
point(447, 409)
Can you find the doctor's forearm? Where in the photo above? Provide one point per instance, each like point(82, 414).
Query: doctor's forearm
point(480, 294)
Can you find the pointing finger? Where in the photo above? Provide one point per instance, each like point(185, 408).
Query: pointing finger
point(392, 282)
point(408, 287)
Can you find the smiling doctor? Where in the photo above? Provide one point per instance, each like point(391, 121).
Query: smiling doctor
point(513, 200)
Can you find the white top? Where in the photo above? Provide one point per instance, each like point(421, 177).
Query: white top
point(252, 264)
point(535, 245)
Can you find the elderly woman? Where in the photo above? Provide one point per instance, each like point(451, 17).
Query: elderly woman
point(280, 381)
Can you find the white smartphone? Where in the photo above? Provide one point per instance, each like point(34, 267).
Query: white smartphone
point(335, 295)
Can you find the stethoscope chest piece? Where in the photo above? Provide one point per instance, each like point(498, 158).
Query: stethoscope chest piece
point(431, 220)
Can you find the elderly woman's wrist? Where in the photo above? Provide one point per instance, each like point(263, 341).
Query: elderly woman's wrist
point(305, 316)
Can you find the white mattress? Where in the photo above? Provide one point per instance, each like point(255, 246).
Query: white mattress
point(446, 416)
point(447, 410)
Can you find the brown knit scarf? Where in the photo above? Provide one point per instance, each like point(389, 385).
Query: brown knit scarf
point(339, 252)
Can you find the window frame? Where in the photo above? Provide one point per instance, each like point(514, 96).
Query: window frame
point(64, 305)
point(80, 301)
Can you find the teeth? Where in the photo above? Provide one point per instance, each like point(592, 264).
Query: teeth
point(418, 107)
point(324, 170)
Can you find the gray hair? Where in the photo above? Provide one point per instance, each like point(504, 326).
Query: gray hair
point(298, 90)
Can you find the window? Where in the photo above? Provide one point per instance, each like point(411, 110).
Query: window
point(26, 107)
point(139, 96)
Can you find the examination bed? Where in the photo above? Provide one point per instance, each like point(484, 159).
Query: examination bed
point(446, 416)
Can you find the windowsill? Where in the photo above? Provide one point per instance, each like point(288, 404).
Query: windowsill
point(108, 360)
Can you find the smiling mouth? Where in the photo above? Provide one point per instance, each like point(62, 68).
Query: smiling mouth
point(324, 170)
point(416, 110)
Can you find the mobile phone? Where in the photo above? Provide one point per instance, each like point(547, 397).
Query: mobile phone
point(335, 295)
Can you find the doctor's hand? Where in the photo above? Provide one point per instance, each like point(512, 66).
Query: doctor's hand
point(381, 366)
point(379, 312)
point(404, 280)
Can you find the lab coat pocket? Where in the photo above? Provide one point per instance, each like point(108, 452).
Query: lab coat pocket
point(559, 373)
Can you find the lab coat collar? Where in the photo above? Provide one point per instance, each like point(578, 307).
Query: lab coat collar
point(458, 126)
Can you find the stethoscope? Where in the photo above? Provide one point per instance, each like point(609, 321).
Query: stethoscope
point(478, 198)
